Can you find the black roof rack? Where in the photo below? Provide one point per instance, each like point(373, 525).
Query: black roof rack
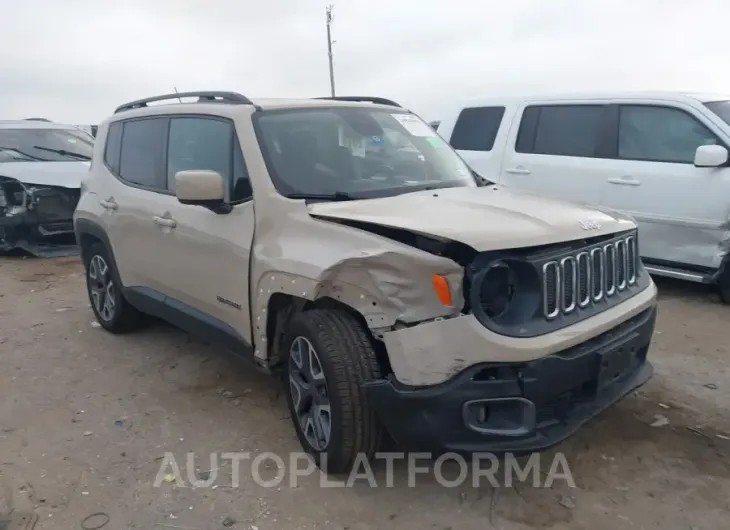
point(370, 99)
point(231, 98)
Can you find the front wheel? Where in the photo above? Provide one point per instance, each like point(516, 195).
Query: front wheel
point(328, 357)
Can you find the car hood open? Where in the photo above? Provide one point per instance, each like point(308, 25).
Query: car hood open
point(486, 218)
point(61, 174)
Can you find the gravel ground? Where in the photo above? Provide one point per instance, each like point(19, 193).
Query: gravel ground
point(86, 418)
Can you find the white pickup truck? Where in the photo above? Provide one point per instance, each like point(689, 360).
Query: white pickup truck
point(660, 157)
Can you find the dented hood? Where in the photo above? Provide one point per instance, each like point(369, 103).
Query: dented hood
point(487, 218)
point(62, 174)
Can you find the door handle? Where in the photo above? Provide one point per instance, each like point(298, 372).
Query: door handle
point(164, 221)
point(518, 171)
point(109, 203)
point(625, 181)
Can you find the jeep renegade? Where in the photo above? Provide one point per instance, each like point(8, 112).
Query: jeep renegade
point(342, 245)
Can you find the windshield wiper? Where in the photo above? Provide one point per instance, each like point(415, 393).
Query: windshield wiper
point(63, 152)
point(27, 155)
point(337, 196)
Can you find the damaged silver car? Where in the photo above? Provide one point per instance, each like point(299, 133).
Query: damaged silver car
point(41, 166)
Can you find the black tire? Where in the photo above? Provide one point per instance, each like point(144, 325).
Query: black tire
point(347, 360)
point(123, 318)
point(723, 286)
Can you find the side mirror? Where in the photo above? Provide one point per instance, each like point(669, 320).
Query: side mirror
point(201, 188)
point(711, 156)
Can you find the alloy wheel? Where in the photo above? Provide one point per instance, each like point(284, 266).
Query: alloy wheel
point(309, 393)
point(101, 288)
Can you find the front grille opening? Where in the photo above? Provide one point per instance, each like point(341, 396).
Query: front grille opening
point(621, 264)
point(610, 253)
point(597, 271)
point(631, 259)
point(583, 264)
point(569, 284)
point(551, 282)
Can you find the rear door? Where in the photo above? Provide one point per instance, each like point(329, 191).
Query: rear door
point(682, 210)
point(135, 155)
point(555, 150)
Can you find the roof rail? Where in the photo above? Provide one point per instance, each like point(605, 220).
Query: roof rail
point(231, 98)
point(370, 99)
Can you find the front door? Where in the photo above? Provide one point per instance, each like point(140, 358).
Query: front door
point(682, 210)
point(206, 254)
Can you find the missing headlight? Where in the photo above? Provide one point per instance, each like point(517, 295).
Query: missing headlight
point(497, 289)
point(505, 292)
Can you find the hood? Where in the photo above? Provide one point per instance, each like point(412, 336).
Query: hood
point(486, 218)
point(62, 174)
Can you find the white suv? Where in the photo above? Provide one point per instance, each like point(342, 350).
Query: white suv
point(344, 246)
point(660, 157)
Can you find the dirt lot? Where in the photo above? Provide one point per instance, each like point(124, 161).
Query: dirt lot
point(86, 417)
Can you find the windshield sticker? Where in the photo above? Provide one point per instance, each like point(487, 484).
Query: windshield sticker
point(414, 125)
point(377, 140)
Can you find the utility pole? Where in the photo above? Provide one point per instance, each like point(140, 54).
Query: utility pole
point(329, 48)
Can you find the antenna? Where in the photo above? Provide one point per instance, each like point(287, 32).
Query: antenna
point(330, 18)
point(176, 92)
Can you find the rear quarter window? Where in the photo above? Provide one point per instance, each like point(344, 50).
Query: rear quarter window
point(476, 128)
point(113, 147)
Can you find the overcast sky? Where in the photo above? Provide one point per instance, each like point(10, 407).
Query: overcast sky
point(75, 60)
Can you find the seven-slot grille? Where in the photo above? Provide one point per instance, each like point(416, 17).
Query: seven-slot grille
point(587, 277)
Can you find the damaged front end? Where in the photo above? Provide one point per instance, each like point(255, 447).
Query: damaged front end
point(37, 218)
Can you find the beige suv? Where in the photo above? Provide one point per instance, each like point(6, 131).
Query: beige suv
point(342, 245)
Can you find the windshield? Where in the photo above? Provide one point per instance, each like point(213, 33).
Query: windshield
point(721, 108)
point(45, 145)
point(356, 152)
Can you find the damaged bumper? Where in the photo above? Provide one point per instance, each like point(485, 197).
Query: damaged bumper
point(519, 407)
point(36, 218)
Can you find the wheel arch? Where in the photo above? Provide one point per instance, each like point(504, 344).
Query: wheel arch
point(282, 307)
point(87, 234)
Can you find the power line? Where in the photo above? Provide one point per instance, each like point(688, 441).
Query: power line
point(330, 18)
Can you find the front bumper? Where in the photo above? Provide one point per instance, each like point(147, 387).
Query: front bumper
point(519, 407)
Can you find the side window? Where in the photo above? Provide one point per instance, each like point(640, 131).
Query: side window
point(199, 143)
point(660, 134)
point(476, 128)
point(207, 143)
point(113, 147)
point(560, 130)
point(142, 160)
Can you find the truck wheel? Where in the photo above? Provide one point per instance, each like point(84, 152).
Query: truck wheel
point(328, 357)
point(723, 286)
point(110, 308)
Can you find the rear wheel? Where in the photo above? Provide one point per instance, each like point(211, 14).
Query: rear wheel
point(329, 357)
point(110, 308)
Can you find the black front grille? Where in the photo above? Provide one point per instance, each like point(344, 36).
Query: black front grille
point(585, 277)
